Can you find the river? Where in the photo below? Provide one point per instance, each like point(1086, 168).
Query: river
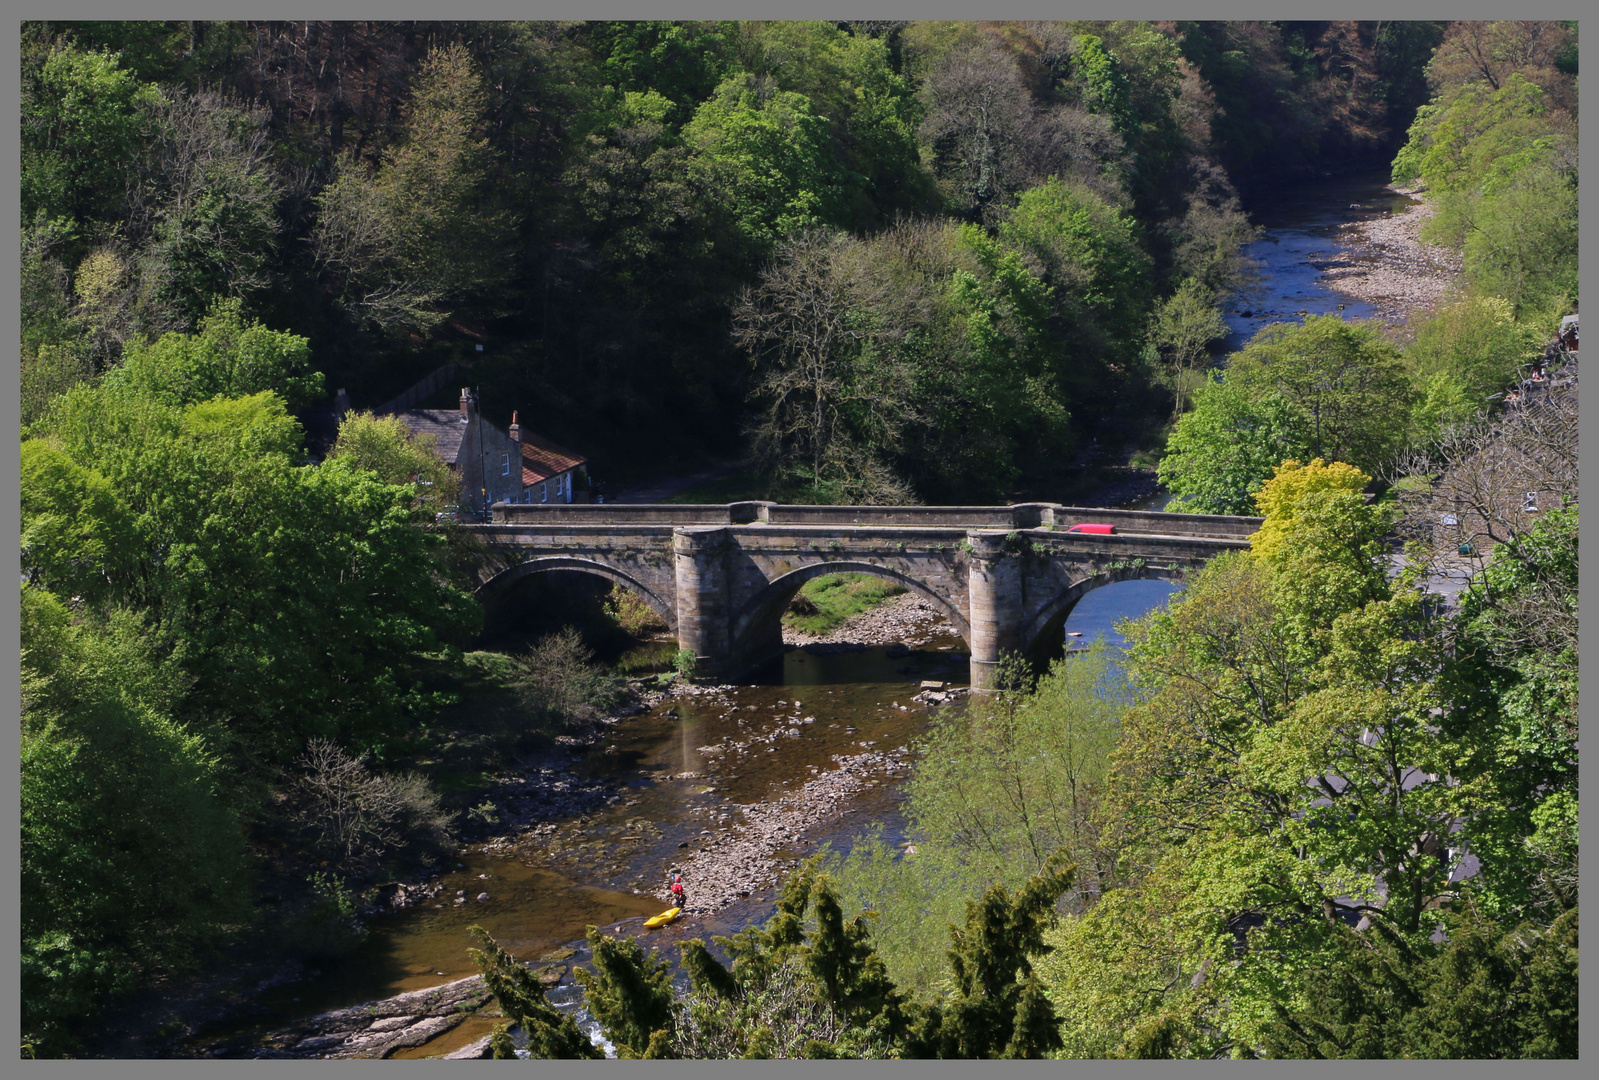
point(674, 799)
point(1299, 243)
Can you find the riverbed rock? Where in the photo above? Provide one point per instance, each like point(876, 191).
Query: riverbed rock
point(375, 1029)
point(472, 1051)
point(1395, 272)
point(392, 1023)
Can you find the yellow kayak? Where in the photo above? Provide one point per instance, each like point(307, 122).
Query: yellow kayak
point(663, 918)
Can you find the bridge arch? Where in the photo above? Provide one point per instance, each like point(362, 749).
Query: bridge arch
point(1051, 617)
point(509, 576)
point(761, 614)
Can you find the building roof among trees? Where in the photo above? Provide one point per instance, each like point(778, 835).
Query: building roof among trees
point(447, 426)
point(542, 459)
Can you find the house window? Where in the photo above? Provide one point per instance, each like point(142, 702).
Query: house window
point(506, 465)
point(544, 493)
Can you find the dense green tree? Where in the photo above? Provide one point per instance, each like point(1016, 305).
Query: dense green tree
point(1521, 240)
point(131, 854)
point(388, 448)
point(76, 536)
point(682, 61)
point(226, 358)
point(1522, 618)
point(262, 567)
point(82, 126)
point(46, 295)
point(49, 373)
point(768, 156)
point(1282, 771)
point(1463, 355)
point(1090, 255)
point(1348, 386)
point(870, 109)
point(1502, 165)
point(1220, 453)
point(1019, 778)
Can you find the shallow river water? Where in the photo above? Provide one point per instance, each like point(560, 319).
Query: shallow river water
point(673, 799)
point(1300, 243)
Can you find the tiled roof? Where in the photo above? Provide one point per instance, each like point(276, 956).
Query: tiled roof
point(542, 459)
point(445, 425)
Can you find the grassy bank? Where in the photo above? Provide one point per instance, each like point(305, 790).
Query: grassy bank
point(824, 603)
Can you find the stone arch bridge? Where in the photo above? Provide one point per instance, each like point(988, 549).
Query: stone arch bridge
point(722, 576)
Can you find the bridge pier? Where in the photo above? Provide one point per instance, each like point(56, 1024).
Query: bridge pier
point(994, 596)
point(700, 557)
point(720, 574)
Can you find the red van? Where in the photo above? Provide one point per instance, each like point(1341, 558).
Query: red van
point(1100, 530)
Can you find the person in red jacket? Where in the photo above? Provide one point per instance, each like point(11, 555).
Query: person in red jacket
point(679, 898)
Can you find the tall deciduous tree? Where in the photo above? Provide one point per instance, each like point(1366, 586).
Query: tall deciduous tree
point(1220, 453)
point(204, 207)
point(1349, 386)
point(422, 231)
point(131, 854)
point(989, 140)
point(1182, 329)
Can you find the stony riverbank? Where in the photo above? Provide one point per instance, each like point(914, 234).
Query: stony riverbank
point(907, 618)
point(736, 861)
point(1393, 270)
point(376, 1029)
point(552, 812)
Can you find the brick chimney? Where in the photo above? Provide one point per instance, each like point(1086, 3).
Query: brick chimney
point(468, 403)
point(515, 430)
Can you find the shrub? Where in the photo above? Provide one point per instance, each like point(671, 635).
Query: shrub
point(629, 611)
point(684, 663)
point(328, 928)
point(359, 816)
point(558, 678)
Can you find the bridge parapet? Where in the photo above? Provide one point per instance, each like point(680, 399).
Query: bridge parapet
point(1005, 576)
point(1016, 516)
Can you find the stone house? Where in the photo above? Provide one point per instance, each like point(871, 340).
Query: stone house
point(496, 464)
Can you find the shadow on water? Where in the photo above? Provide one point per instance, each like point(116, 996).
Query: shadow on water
point(530, 911)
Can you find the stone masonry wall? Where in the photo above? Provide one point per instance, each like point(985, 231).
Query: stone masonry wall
point(723, 586)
